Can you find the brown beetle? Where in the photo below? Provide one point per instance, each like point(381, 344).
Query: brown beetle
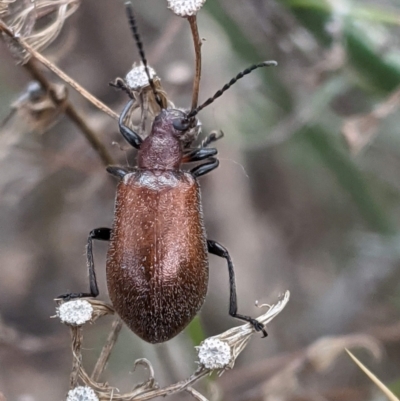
point(157, 261)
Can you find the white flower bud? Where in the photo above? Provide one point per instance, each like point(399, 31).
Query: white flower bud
point(185, 8)
point(75, 312)
point(82, 393)
point(137, 78)
point(214, 353)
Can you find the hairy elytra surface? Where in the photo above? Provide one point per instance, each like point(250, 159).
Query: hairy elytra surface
point(157, 265)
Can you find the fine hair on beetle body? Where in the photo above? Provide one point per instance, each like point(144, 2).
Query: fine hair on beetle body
point(157, 261)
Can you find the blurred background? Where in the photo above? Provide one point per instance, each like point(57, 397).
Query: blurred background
point(306, 197)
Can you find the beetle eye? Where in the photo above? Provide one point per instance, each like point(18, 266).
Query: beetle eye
point(180, 124)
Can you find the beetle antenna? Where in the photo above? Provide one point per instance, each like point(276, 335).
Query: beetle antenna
point(248, 70)
point(139, 44)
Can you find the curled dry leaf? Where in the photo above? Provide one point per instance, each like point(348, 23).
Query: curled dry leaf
point(150, 382)
point(360, 130)
point(35, 107)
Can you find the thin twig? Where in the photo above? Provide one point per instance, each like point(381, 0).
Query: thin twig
point(72, 113)
point(107, 349)
point(197, 48)
point(101, 106)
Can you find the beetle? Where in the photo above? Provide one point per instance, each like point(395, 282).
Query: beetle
point(157, 260)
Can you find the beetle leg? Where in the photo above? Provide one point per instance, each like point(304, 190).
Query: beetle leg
point(212, 137)
point(217, 249)
point(199, 154)
point(131, 136)
point(118, 171)
point(205, 168)
point(103, 234)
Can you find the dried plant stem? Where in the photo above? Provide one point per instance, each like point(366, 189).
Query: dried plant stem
point(101, 106)
point(235, 338)
point(107, 349)
point(197, 48)
point(77, 338)
point(72, 113)
point(144, 394)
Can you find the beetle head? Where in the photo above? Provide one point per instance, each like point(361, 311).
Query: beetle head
point(175, 121)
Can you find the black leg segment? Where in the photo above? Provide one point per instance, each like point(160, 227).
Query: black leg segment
point(131, 137)
point(217, 249)
point(102, 234)
point(196, 155)
point(205, 168)
point(117, 171)
point(212, 137)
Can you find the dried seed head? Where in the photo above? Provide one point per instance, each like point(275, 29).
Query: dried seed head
point(38, 22)
point(4, 6)
point(214, 354)
point(237, 338)
point(82, 393)
point(137, 78)
point(75, 312)
point(185, 8)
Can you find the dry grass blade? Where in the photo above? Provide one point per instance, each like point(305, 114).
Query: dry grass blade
point(379, 384)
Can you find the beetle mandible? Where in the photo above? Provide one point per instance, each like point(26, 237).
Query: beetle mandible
point(157, 261)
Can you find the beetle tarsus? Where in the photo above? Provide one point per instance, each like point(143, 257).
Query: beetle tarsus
point(205, 168)
point(73, 295)
point(258, 326)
